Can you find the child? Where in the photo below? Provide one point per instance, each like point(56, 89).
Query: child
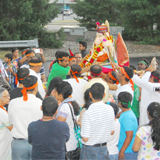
point(82, 48)
point(128, 127)
point(112, 144)
point(10, 68)
point(147, 141)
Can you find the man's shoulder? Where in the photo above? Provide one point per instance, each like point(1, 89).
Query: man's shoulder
point(99, 106)
point(34, 124)
point(32, 72)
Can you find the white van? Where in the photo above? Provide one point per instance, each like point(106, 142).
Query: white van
point(66, 12)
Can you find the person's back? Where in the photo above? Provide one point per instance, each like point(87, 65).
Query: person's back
point(21, 113)
point(128, 127)
point(47, 135)
point(97, 126)
point(77, 84)
point(48, 138)
point(95, 74)
point(128, 122)
point(101, 122)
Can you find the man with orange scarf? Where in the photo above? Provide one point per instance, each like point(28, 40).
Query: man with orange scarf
point(22, 111)
point(77, 84)
point(126, 84)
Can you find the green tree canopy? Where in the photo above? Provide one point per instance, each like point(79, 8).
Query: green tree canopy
point(22, 20)
point(139, 18)
point(91, 11)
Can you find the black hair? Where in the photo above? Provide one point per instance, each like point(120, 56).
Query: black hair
point(87, 99)
point(9, 56)
point(29, 51)
point(35, 60)
point(66, 90)
point(14, 49)
point(60, 54)
point(83, 43)
point(154, 112)
point(53, 83)
point(97, 69)
point(124, 98)
point(145, 60)
point(97, 91)
point(156, 74)
point(133, 67)
point(114, 74)
point(49, 106)
point(24, 51)
point(129, 71)
point(22, 73)
point(74, 68)
point(115, 107)
point(29, 81)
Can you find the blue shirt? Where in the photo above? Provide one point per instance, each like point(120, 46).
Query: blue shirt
point(48, 138)
point(128, 122)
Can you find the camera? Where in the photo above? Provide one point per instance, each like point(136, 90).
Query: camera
point(156, 89)
point(37, 50)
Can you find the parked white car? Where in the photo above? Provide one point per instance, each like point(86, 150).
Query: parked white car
point(66, 12)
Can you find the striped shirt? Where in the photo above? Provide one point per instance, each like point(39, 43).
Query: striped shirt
point(97, 123)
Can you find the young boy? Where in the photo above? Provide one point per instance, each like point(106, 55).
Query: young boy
point(112, 144)
point(128, 127)
point(10, 68)
point(82, 48)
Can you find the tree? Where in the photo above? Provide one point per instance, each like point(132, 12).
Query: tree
point(138, 18)
point(91, 11)
point(21, 20)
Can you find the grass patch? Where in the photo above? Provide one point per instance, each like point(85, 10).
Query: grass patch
point(3, 53)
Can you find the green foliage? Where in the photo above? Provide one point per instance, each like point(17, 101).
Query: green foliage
point(91, 11)
point(52, 40)
point(138, 18)
point(22, 20)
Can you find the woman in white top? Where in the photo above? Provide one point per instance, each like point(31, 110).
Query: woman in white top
point(147, 141)
point(62, 93)
point(5, 127)
point(112, 144)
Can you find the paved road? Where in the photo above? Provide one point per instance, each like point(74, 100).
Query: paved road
point(61, 21)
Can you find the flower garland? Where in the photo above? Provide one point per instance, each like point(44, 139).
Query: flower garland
point(94, 56)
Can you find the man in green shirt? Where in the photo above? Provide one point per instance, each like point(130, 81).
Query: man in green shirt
point(60, 68)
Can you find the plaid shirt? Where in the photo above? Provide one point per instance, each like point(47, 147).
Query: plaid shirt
point(10, 75)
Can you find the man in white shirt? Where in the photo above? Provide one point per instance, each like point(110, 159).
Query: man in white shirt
point(148, 82)
point(97, 126)
point(35, 66)
point(22, 111)
point(124, 76)
point(77, 84)
point(95, 71)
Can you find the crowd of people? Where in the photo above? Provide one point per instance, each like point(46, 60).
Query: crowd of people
point(78, 113)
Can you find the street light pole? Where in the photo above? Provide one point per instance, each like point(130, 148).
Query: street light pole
point(63, 11)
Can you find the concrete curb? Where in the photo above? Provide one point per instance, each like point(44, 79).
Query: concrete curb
point(144, 55)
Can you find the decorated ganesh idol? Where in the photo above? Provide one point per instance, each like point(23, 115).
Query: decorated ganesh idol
point(103, 49)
